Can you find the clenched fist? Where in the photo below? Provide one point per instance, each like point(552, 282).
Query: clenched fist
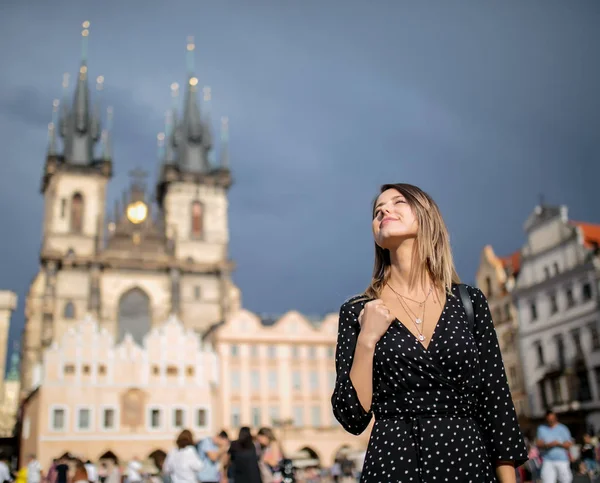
point(374, 320)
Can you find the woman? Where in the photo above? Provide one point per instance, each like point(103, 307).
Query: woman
point(405, 353)
point(183, 462)
point(81, 474)
point(270, 450)
point(243, 458)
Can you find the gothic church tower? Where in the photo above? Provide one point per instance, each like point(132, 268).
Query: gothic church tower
point(154, 256)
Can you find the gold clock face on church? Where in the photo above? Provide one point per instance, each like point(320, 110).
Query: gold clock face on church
point(137, 212)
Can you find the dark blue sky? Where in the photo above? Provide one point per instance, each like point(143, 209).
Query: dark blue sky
point(485, 105)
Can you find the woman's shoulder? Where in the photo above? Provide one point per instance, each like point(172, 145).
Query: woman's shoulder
point(473, 291)
point(354, 304)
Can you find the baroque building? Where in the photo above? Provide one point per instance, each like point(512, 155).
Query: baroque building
point(148, 260)
point(496, 277)
point(280, 372)
point(557, 298)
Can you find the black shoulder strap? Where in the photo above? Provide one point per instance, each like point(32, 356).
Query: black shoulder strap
point(468, 305)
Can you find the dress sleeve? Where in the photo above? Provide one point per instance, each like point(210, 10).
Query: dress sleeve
point(346, 406)
point(495, 411)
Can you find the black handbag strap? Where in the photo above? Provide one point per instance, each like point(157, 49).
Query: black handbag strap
point(468, 305)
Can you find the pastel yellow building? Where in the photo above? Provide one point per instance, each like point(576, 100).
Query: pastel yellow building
point(281, 373)
point(9, 385)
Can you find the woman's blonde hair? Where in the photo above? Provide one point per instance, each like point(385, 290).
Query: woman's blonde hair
point(432, 255)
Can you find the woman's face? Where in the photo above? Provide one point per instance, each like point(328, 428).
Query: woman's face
point(393, 220)
point(263, 440)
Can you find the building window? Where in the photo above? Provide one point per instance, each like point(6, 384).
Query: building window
point(272, 352)
point(235, 380)
point(314, 381)
point(556, 390)
point(178, 418)
point(63, 208)
point(542, 392)
point(539, 350)
point(576, 336)
point(274, 414)
point(330, 351)
point(570, 298)
point(83, 419)
point(312, 353)
point(108, 418)
point(507, 314)
point(77, 213)
point(295, 352)
point(556, 269)
point(254, 351)
point(101, 370)
point(586, 293)
point(196, 219)
point(69, 311)
point(197, 292)
point(298, 416)
point(316, 416)
point(553, 303)
point(172, 371)
point(547, 272)
point(256, 419)
point(488, 287)
point(155, 416)
point(560, 350)
point(296, 380)
point(235, 417)
point(254, 380)
point(272, 380)
point(533, 309)
point(595, 335)
point(584, 392)
point(201, 418)
point(58, 419)
point(69, 369)
point(234, 350)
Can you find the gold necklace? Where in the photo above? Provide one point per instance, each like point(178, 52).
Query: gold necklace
point(412, 300)
point(419, 322)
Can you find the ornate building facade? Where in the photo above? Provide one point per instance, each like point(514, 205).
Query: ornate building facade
point(99, 396)
point(496, 277)
point(280, 372)
point(148, 260)
point(557, 298)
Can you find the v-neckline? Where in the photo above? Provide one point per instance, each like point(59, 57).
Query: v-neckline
point(437, 323)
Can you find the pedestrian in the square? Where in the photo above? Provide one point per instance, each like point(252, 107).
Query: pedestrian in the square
point(554, 441)
point(419, 351)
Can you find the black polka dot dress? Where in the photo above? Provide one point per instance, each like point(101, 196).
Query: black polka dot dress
point(442, 414)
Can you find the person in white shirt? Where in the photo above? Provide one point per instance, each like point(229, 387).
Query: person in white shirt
point(183, 463)
point(91, 471)
point(34, 470)
point(5, 475)
point(134, 469)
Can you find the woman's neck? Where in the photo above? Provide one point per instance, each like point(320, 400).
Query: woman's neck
point(407, 273)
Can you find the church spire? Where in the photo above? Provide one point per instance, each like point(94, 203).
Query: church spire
point(80, 128)
point(192, 138)
point(106, 140)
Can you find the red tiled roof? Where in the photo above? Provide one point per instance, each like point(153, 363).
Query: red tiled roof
point(513, 261)
point(591, 233)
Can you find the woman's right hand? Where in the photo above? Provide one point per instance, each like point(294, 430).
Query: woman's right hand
point(374, 320)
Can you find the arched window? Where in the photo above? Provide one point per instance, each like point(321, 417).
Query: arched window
point(69, 312)
point(77, 213)
point(197, 219)
point(134, 314)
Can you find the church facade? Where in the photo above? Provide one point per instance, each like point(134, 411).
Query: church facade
point(148, 260)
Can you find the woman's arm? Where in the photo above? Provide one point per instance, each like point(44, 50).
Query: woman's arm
point(506, 473)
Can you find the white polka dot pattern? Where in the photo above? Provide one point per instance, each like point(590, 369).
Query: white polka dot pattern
point(443, 413)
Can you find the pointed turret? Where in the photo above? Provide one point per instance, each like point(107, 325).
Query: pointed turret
point(191, 138)
point(52, 148)
point(224, 161)
point(106, 140)
point(80, 127)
